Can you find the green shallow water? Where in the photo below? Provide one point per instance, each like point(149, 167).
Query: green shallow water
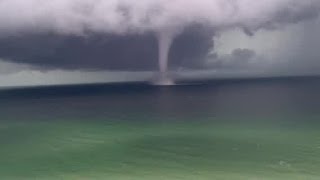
point(248, 130)
point(168, 150)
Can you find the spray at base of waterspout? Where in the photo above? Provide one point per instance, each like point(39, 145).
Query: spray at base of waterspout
point(163, 79)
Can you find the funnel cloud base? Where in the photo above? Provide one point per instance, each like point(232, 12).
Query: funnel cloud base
point(163, 80)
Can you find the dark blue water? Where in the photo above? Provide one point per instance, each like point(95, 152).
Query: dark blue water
point(137, 101)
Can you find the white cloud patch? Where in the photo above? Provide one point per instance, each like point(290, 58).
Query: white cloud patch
point(10, 68)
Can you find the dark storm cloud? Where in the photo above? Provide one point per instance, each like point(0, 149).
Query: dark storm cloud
point(122, 34)
point(99, 51)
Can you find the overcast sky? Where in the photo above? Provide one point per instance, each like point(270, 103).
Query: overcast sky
point(290, 49)
point(294, 47)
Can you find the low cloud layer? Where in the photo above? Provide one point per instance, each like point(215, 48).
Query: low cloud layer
point(11, 68)
point(239, 58)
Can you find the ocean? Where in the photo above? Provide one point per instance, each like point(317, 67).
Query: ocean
point(222, 129)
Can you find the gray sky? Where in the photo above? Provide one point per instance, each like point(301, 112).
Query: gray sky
point(293, 50)
point(288, 45)
point(282, 44)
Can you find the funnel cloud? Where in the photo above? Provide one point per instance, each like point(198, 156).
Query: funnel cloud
point(133, 35)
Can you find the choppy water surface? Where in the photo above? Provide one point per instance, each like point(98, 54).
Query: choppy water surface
point(259, 129)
